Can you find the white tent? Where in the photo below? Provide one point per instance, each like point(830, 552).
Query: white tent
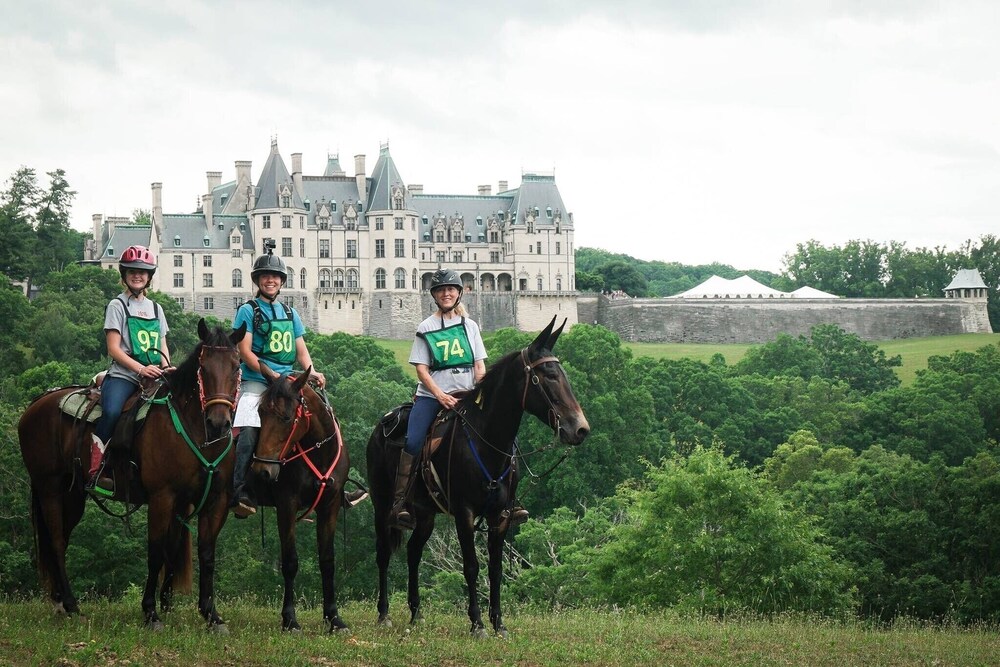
point(807, 292)
point(743, 287)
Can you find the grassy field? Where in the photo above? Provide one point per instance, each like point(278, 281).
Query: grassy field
point(112, 634)
point(914, 351)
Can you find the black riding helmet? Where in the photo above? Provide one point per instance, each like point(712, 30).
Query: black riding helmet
point(446, 278)
point(268, 263)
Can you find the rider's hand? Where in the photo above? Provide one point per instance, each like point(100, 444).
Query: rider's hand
point(447, 400)
point(318, 378)
point(150, 371)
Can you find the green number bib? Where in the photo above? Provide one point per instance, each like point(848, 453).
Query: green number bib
point(450, 347)
point(279, 345)
point(144, 336)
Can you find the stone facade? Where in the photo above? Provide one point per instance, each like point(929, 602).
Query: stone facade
point(761, 320)
point(360, 249)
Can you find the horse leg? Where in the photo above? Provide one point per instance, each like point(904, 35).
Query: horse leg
point(160, 515)
point(414, 551)
point(470, 567)
point(386, 539)
point(55, 516)
point(494, 546)
point(175, 541)
point(326, 530)
point(289, 562)
point(210, 522)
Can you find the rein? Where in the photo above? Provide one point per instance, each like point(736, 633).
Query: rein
point(293, 450)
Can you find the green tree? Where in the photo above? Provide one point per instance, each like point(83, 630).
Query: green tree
point(705, 534)
point(57, 245)
point(17, 238)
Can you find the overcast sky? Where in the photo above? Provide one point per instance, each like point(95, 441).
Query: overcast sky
point(692, 131)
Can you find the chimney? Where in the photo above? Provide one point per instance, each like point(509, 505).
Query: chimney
point(297, 173)
point(98, 220)
point(415, 189)
point(157, 208)
point(361, 179)
point(206, 208)
point(243, 183)
point(485, 189)
point(214, 179)
point(502, 187)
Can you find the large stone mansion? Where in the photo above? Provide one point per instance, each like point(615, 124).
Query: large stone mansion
point(360, 249)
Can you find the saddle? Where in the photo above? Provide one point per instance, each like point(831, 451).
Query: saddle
point(84, 404)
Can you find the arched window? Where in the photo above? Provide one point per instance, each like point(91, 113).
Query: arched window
point(290, 283)
point(338, 279)
point(380, 279)
point(400, 278)
point(237, 278)
point(302, 279)
point(413, 280)
point(352, 279)
point(324, 278)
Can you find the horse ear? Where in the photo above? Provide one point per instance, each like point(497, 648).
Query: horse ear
point(555, 334)
point(541, 340)
point(237, 335)
point(269, 375)
point(202, 330)
point(302, 380)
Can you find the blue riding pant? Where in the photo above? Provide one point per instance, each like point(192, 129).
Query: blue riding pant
point(114, 392)
point(425, 408)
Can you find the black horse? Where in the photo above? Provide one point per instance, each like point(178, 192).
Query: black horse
point(300, 467)
point(471, 474)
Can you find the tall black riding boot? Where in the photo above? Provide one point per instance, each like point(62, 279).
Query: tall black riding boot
point(401, 515)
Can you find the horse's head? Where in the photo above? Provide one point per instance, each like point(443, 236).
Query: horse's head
point(285, 418)
point(547, 393)
point(218, 377)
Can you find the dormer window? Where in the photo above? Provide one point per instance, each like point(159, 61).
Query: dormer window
point(207, 242)
point(548, 212)
point(177, 241)
point(111, 251)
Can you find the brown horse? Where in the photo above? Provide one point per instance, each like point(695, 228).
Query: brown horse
point(300, 467)
point(474, 469)
point(183, 461)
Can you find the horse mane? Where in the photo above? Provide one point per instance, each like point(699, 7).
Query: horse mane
point(278, 390)
point(185, 377)
point(496, 374)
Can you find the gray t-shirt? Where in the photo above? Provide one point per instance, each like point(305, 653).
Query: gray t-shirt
point(449, 380)
point(114, 320)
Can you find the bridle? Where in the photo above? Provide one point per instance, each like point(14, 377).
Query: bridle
point(293, 449)
point(531, 378)
point(213, 399)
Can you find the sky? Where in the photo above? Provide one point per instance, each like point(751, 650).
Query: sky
point(689, 131)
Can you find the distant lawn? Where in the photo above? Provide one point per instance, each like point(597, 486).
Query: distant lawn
point(914, 351)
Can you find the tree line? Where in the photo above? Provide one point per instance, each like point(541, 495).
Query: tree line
point(802, 478)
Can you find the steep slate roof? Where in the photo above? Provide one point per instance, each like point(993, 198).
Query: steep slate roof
point(470, 207)
point(966, 279)
point(384, 176)
point(538, 191)
point(191, 231)
point(333, 167)
point(320, 189)
point(126, 235)
point(272, 175)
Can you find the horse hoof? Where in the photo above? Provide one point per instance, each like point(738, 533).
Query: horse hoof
point(502, 633)
point(383, 622)
point(155, 625)
point(479, 633)
point(293, 629)
point(218, 629)
point(335, 625)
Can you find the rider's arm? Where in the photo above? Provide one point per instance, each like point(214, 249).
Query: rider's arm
point(121, 357)
point(479, 370)
point(424, 375)
point(304, 359)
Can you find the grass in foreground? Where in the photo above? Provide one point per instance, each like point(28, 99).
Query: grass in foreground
point(112, 633)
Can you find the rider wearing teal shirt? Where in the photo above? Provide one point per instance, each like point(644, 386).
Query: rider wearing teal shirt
point(277, 342)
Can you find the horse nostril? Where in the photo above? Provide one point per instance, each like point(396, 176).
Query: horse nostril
point(582, 433)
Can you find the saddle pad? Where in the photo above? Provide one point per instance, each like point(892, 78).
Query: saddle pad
point(76, 403)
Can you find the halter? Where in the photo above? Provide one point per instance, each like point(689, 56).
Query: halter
point(292, 450)
point(225, 399)
point(530, 377)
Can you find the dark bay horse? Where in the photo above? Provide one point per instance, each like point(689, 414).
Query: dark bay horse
point(184, 461)
point(300, 467)
point(475, 468)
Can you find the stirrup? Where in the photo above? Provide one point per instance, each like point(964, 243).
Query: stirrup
point(352, 498)
point(403, 520)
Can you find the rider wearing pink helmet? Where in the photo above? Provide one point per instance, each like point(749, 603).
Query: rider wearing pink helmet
point(135, 330)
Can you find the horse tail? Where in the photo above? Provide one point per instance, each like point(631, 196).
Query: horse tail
point(45, 554)
point(183, 566)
